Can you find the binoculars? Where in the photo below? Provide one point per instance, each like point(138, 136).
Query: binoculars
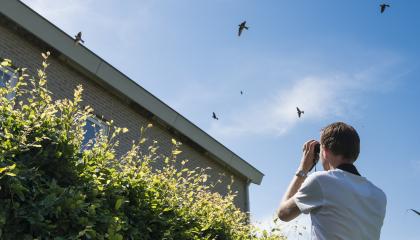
point(317, 150)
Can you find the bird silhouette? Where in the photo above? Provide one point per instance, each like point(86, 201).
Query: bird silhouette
point(242, 92)
point(242, 26)
point(418, 213)
point(78, 38)
point(383, 7)
point(299, 112)
point(214, 116)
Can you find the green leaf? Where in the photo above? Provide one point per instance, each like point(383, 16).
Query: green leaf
point(176, 152)
point(205, 227)
point(5, 63)
point(18, 189)
point(118, 203)
point(3, 169)
point(7, 169)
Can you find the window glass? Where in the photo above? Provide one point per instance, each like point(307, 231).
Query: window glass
point(92, 127)
point(5, 76)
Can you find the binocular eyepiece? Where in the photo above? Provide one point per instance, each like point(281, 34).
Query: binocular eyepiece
point(317, 150)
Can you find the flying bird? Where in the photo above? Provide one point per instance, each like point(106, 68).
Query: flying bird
point(78, 38)
point(242, 92)
point(214, 116)
point(299, 112)
point(242, 26)
point(383, 7)
point(418, 213)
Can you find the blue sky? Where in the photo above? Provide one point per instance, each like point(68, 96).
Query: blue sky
point(337, 60)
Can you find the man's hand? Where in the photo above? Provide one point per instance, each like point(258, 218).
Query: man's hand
point(288, 209)
point(308, 156)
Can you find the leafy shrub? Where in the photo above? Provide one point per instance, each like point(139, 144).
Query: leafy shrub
point(52, 187)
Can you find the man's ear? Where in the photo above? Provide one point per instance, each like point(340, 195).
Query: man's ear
point(326, 156)
point(324, 152)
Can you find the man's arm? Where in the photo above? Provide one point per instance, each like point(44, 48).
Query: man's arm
point(288, 209)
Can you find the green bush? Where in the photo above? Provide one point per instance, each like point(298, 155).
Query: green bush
point(52, 189)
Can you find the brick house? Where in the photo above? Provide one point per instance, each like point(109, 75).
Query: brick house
point(24, 34)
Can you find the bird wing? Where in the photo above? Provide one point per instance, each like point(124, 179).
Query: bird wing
point(383, 6)
point(415, 211)
point(240, 31)
point(298, 109)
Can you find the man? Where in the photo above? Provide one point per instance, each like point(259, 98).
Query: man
point(341, 203)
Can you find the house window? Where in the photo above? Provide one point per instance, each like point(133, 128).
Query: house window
point(92, 127)
point(8, 78)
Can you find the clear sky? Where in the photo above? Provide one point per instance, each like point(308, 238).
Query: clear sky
point(336, 60)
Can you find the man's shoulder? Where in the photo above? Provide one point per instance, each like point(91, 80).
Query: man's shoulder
point(320, 175)
point(329, 176)
point(379, 192)
point(336, 177)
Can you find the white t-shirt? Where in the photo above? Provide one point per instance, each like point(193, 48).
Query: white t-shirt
point(342, 206)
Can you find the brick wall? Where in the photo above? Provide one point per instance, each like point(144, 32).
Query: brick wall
point(63, 79)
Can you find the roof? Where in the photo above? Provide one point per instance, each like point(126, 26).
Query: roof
point(50, 34)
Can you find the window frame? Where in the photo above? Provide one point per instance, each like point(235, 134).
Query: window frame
point(99, 122)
